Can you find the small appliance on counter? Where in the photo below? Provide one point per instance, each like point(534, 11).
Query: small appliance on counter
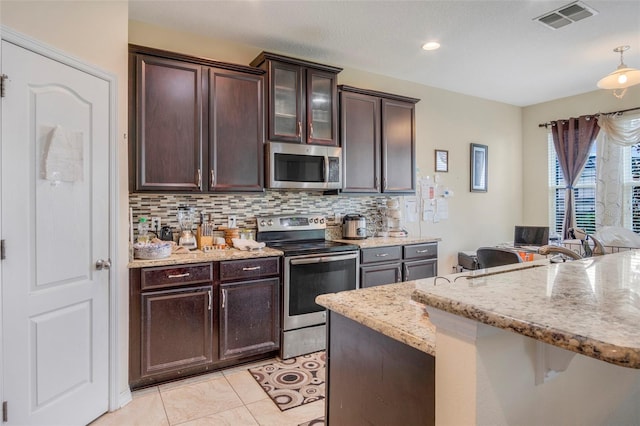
point(186, 217)
point(354, 227)
point(166, 234)
point(393, 219)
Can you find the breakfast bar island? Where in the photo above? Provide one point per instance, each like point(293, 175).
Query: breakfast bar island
point(528, 344)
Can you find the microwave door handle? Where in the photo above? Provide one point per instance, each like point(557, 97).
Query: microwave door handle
point(323, 259)
point(326, 168)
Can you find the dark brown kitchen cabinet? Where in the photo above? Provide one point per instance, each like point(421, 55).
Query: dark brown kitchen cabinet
point(249, 307)
point(166, 132)
point(302, 101)
point(249, 317)
point(195, 124)
point(236, 131)
point(377, 134)
point(172, 330)
point(392, 264)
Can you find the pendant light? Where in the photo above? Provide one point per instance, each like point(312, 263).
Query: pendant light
point(621, 78)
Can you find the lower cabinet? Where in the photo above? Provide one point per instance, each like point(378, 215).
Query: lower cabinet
point(190, 319)
point(393, 264)
point(177, 329)
point(249, 317)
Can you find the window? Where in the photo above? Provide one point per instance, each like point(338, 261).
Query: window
point(584, 193)
point(585, 190)
point(631, 181)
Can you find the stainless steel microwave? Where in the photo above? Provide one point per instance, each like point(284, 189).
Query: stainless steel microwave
point(297, 166)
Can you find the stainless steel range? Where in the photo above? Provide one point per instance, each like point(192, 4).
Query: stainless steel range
point(312, 266)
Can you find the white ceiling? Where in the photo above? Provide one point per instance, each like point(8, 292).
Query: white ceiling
point(490, 49)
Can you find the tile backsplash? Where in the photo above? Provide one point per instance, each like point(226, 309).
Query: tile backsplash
point(247, 206)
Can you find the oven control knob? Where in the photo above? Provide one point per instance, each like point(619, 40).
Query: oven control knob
point(322, 220)
point(263, 223)
point(270, 223)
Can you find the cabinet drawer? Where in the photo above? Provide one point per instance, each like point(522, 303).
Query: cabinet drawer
point(175, 275)
point(250, 268)
point(381, 254)
point(421, 251)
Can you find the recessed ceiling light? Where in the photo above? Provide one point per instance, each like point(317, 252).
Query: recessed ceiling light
point(432, 45)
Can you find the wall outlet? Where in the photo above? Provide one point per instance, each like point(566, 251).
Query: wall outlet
point(155, 223)
point(231, 221)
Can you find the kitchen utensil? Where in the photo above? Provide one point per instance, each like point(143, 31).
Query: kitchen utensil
point(354, 227)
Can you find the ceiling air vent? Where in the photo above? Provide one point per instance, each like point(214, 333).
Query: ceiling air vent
point(573, 12)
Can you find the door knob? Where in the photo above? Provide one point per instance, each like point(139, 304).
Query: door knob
point(103, 264)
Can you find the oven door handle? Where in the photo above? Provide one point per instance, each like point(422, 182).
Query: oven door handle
point(323, 259)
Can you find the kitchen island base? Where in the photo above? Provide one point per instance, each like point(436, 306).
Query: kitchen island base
point(487, 375)
point(375, 380)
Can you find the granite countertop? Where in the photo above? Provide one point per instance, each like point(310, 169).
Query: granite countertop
point(387, 309)
point(589, 306)
point(389, 241)
point(197, 256)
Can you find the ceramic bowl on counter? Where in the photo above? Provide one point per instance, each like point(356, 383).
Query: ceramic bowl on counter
point(149, 251)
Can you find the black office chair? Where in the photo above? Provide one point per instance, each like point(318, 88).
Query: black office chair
point(489, 257)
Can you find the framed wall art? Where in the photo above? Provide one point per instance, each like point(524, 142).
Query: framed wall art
point(479, 167)
point(442, 160)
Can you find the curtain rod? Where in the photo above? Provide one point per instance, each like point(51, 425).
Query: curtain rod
point(545, 125)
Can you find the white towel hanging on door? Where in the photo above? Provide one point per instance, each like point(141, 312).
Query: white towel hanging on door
point(63, 155)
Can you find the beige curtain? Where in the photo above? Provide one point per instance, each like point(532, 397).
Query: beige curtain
point(572, 140)
point(616, 132)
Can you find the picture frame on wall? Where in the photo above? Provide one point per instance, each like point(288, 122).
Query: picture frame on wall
point(442, 160)
point(479, 163)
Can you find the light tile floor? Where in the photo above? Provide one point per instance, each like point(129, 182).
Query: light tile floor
point(227, 397)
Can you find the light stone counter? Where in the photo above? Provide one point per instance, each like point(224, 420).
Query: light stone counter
point(387, 309)
point(389, 241)
point(590, 306)
point(197, 256)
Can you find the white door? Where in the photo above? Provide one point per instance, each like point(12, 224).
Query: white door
point(55, 224)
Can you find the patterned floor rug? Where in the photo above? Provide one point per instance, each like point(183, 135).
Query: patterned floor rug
point(293, 382)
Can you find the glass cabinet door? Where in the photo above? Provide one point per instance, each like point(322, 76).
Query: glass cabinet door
point(286, 114)
point(320, 107)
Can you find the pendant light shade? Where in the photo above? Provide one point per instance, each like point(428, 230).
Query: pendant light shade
point(621, 78)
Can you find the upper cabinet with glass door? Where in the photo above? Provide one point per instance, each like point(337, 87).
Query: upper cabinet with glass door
point(301, 100)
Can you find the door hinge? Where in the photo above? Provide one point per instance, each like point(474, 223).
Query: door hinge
point(2, 253)
point(3, 79)
point(5, 415)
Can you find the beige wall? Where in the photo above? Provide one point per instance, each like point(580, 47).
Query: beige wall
point(445, 120)
point(535, 148)
point(94, 32)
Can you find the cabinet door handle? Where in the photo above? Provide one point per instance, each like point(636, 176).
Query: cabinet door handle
point(382, 254)
point(199, 178)
point(210, 298)
point(299, 129)
point(224, 298)
point(406, 273)
point(253, 268)
point(422, 251)
point(399, 275)
point(376, 184)
point(212, 180)
point(186, 274)
point(310, 130)
point(384, 184)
